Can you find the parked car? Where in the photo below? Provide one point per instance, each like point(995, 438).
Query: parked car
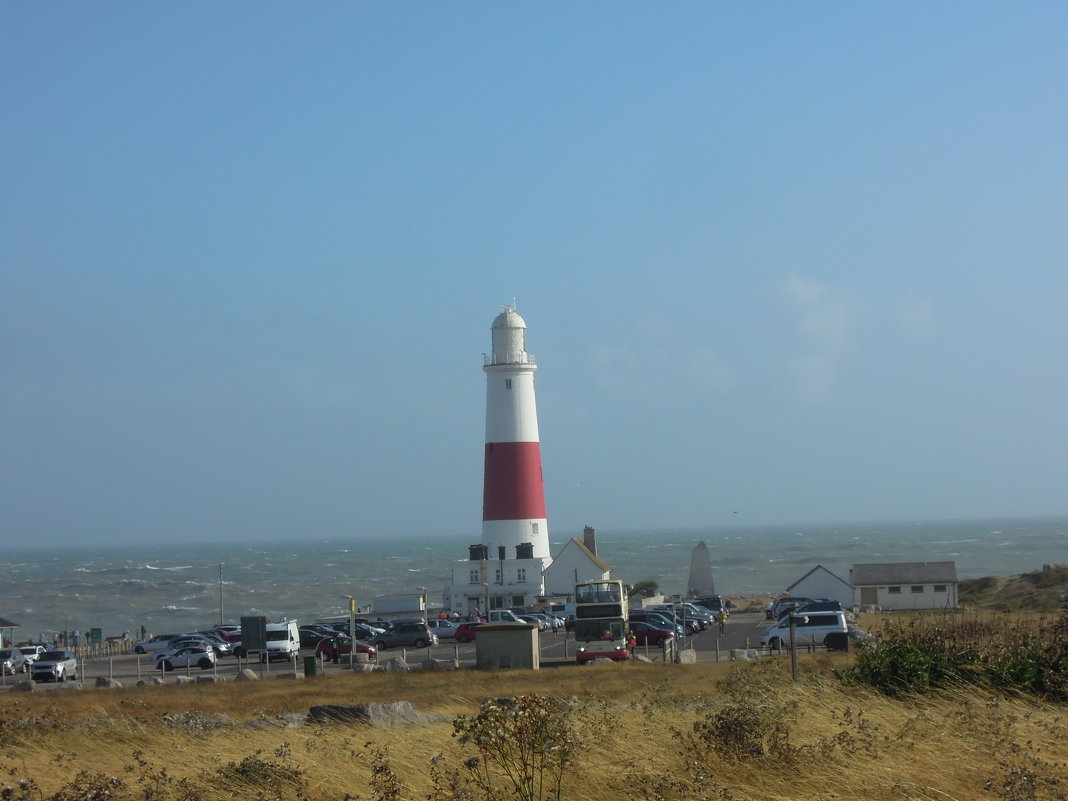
point(784, 605)
point(465, 632)
point(537, 620)
point(229, 632)
point(157, 643)
point(823, 628)
point(414, 635)
point(13, 661)
point(55, 666)
point(31, 652)
point(648, 634)
point(331, 649)
point(365, 631)
point(201, 640)
point(186, 656)
point(444, 628)
point(551, 622)
point(222, 646)
point(659, 620)
point(311, 637)
point(819, 606)
point(713, 603)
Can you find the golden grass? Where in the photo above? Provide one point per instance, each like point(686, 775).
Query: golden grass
point(851, 743)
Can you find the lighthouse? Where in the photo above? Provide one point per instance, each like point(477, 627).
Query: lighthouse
point(513, 495)
point(505, 569)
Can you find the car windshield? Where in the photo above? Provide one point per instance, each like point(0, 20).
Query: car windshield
point(5, 654)
point(52, 656)
point(30, 649)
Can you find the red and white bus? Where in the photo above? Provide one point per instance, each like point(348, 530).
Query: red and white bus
point(600, 620)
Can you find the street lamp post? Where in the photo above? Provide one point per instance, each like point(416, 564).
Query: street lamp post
point(352, 628)
point(676, 599)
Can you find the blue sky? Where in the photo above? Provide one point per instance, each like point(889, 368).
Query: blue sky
point(780, 264)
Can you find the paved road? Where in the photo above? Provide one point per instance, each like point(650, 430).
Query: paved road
point(741, 630)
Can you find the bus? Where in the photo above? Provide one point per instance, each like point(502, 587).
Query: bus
point(600, 620)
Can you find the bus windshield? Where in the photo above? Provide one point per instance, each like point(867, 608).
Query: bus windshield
point(598, 592)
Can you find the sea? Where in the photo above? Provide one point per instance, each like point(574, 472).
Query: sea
point(177, 587)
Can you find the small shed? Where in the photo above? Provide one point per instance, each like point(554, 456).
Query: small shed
point(820, 582)
point(906, 585)
point(9, 627)
point(507, 645)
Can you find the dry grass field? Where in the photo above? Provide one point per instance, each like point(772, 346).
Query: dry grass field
point(723, 731)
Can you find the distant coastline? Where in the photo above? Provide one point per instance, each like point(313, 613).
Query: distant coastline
point(176, 586)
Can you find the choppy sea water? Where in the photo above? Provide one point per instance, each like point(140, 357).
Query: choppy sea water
point(180, 587)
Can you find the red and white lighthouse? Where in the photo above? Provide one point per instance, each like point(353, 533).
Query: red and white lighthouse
point(513, 497)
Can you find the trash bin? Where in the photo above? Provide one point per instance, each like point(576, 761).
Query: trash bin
point(310, 665)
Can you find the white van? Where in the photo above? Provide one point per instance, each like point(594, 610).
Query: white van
point(821, 628)
point(283, 642)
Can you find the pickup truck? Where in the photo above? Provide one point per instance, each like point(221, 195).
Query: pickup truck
point(54, 666)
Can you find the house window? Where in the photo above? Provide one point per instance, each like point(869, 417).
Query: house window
point(939, 587)
point(917, 588)
point(521, 574)
point(473, 577)
point(497, 575)
point(894, 590)
point(507, 383)
point(519, 600)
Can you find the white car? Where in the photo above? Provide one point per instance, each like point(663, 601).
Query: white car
point(54, 666)
point(186, 656)
point(31, 652)
point(157, 643)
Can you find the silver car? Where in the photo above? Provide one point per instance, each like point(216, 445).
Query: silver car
point(13, 661)
point(54, 666)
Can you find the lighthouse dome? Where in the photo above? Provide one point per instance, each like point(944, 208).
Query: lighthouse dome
point(509, 318)
point(509, 334)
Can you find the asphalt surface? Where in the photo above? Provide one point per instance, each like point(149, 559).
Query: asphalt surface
point(740, 631)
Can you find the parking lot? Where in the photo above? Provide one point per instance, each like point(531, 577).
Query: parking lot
point(742, 630)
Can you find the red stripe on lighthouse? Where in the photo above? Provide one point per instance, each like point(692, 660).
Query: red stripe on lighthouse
point(513, 488)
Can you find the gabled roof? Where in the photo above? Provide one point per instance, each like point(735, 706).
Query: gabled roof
point(904, 573)
point(813, 570)
point(7, 624)
point(587, 553)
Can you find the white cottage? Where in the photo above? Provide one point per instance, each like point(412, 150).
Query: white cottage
point(820, 582)
point(577, 561)
point(906, 585)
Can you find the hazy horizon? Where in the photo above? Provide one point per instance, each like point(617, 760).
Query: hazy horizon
point(777, 264)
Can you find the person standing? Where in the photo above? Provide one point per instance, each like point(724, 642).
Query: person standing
point(721, 618)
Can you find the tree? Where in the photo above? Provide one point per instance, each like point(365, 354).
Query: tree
point(644, 587)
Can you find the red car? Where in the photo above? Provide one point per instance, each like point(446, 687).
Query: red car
point(648, 634)
point(465, 632)
point(336, 647)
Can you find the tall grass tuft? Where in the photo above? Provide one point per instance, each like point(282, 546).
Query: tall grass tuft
point(1028, 655)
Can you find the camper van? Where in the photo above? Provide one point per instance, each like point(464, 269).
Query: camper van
point(283, 642)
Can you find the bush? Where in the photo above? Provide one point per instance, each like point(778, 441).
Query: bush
point(1003, 652)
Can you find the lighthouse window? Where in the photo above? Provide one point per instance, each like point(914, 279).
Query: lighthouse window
point(507, 383)
point(533, 528)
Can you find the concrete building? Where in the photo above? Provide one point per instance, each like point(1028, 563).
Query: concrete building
point(905, 585)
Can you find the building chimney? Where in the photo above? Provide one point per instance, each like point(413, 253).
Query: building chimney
point(589, 539)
